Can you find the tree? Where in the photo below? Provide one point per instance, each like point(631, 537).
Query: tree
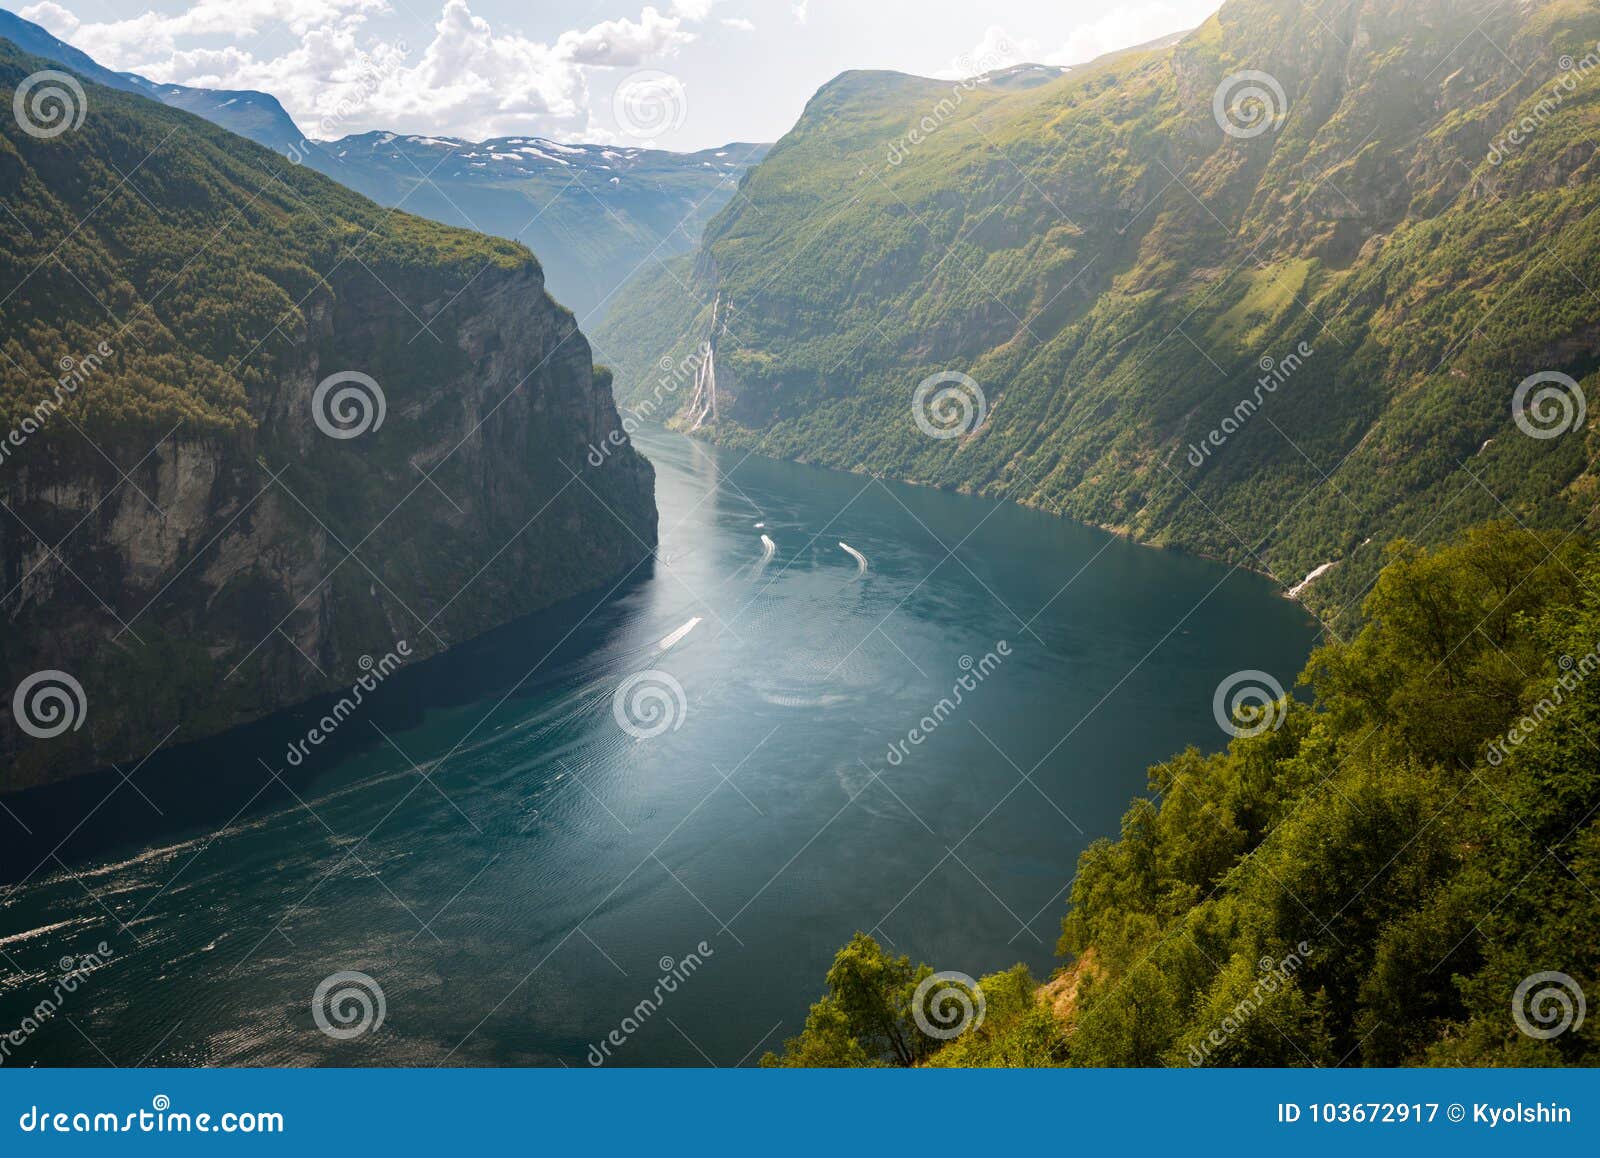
point(866, 1016)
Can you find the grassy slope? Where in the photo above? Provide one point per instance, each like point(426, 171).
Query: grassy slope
point(1113, 268)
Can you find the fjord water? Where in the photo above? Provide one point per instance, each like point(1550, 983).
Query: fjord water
point(516, 872)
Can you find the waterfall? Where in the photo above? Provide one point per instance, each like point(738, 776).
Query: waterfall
point(704, 404)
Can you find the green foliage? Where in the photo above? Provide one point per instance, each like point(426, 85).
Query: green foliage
point(868, 1017)
point(1113, 269)
point(1370, 881)
point(865, 1017)
point(170, 295)
point(1018, 1029)
point(161, 270)
point(1423, 878)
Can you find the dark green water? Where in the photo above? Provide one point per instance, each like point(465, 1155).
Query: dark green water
point(518, 903)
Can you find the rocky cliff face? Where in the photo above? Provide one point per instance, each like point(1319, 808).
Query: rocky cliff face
point(219, 519)
point(218, 579)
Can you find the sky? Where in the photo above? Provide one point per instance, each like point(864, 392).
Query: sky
point(678, 74)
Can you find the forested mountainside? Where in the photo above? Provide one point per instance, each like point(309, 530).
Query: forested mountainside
point(1271, 293)
point(594, 214)
point(260, 431)
point(256, 115)
point(1402, 873)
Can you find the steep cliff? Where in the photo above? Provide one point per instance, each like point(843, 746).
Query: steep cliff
point(256, 431)
point(1277, 293)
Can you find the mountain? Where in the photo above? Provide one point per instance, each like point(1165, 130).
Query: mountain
point(262, 432)
point(1278, 293)
point(250, 114)
point(594, 214)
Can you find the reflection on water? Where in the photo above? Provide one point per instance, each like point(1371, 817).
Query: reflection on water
point(491, 841)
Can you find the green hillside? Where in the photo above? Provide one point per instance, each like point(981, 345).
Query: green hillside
point(1348, 292)
point(256, 429)
point(1368, 880)
point(202, 300)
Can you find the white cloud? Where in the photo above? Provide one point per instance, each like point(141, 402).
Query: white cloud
point(738, 23)
point(470, 79)
point(1129, 24)
point(997, 49)
point(799, 10)
point(1119, 28)
point(152, 32)
point(51, 17)
point(625, 42)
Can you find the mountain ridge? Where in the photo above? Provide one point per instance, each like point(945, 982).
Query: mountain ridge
point(592, 230)
point(263, 430)
point(1118, 265)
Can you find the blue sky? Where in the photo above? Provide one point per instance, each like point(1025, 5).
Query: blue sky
point(575, 69)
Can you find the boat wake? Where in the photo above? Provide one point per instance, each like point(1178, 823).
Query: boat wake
point(679, 635)
point(768, 549)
